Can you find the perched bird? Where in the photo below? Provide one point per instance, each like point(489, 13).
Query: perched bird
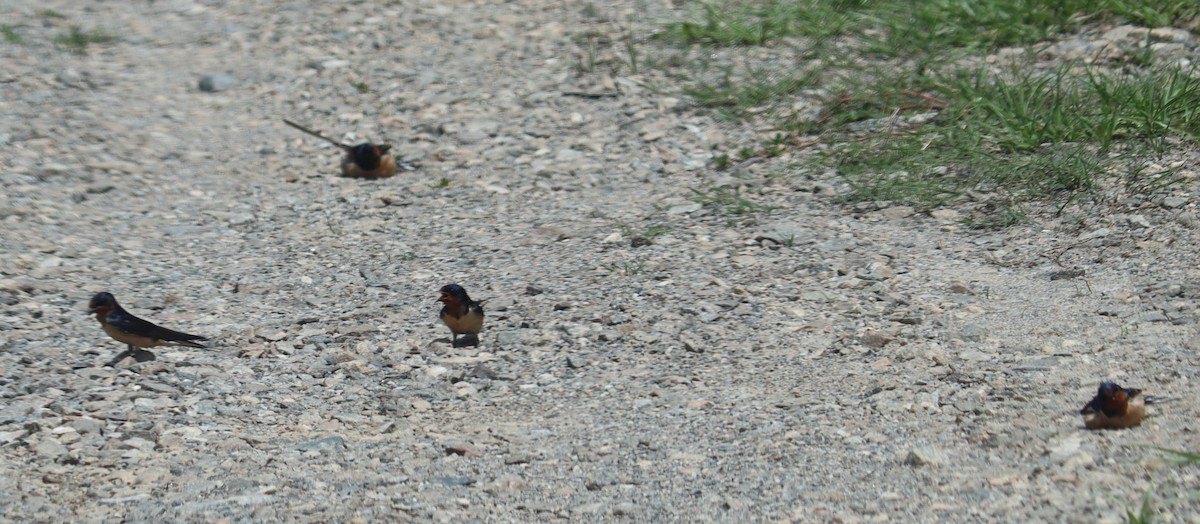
point(133, 331)
point(365, 160)
point(1114, 407)
point(461, 314)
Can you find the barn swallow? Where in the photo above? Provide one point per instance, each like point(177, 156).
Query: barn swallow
point(365, 160)
point(461, 314)
point(1114, 407)
point(133, 331)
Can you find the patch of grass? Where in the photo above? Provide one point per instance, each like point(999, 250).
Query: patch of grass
point(588, 43)
point(752, 23)
point(903, 29)
point(1144, 514)
point(728, 201)
point(77, 40)
point(910, 110)
point(1160, 13)
point(656, 231)
point(591, 11)
point(11, 35)
point(736, 93)
point(361, 87)
point(441, 184)
point(626, 268)
point(722, 162)
point(50, 13)
point(651, 231)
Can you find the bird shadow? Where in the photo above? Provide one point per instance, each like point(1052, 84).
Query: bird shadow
point(139, 355)
point(462, 342)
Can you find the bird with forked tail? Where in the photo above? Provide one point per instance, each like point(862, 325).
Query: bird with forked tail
point(137, 334)
point(364, 160)
point(1117, 407)
point(461, 314)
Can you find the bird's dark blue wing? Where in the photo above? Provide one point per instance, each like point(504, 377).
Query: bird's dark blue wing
point(130, 324)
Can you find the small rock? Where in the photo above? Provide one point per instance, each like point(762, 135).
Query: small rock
point(947, 215)
point(683, 209)
point(518, 457)
point(506, 484)
point(217, 82)
point(482, 371)
point(125, 500)
point(627, 508)
point(744, 261)
point(1138, 221)
point(925, 456)
point(455, 481)
point(1187, 218)
point(334, 442)
point(139, 443)
point(876, 340)
point(961, 289)
point(50, 448)
point(897, 212)
point(335, 63)
point(9, 436)
point(971, 333)
point(460, 447)
point(1065, 447)
point(1154, 316)
point(1192, 344)
point(974, 356)
point(1078, 460)
point(1174, 202)
point(591, 507)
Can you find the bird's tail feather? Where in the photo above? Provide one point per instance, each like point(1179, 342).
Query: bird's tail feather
point(316, 134)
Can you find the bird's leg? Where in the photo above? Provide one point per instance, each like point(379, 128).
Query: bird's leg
point(129, 351)
point(454, 340)
point(142, 355)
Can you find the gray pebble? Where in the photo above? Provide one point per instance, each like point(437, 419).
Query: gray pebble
point(217, 82)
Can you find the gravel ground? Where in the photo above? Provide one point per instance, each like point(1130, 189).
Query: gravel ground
point(646, 357)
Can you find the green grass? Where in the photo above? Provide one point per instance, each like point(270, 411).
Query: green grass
point(77, 40)
point(50, 13)
point(626, 268)
point(736, 92)
point(728, 201)
point(11, 35)
point(1144, 513)
point(649, 232)
point(753, 23)
point(914, 107)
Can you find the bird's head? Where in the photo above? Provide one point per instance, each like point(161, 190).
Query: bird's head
point(102, 303)
point(1111, 399)
point(453, 294)
point(368, 155)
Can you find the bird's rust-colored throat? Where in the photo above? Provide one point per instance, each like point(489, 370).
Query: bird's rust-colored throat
point(101, 312)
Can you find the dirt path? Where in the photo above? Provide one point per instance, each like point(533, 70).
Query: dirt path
point(809, 363)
